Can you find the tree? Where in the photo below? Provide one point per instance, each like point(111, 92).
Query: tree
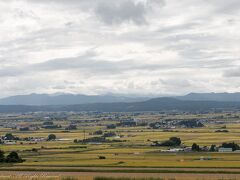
point(48, 123)
point(101, 157)
point(9, 136)
point(51, 137)
point(232, 145)
point(71, 127)
point(109, 134)
point(13, 157)
point(99, 132)
point(173, 141)
point(168, 143)
point(195, 147)
point(111, 126)
point(191, 123)
point(176, 140)
point(212, 148)
point(2, 157)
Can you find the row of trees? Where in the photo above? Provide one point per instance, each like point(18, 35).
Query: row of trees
point(234, 146)
point(11, 137)
point(12, 157)
point(173, 141)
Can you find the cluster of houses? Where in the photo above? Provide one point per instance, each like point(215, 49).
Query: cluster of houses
point(176, 123)
point(127, 122)
point(9, 139)
point(203, 149)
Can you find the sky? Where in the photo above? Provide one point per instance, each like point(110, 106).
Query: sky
point(141, 47)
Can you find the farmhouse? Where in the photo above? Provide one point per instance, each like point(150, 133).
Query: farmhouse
point(173, 150)
point(128, 122)
point(225, 149)
point(9, 142)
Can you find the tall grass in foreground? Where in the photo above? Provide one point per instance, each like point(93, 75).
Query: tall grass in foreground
point(69, 178)
point(43, 178)
point(100, 178)
point(74, 178)
point(109, 178)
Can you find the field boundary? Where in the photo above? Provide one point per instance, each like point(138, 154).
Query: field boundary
point(123, 171)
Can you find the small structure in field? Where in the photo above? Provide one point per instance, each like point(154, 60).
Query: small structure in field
point(225, 149)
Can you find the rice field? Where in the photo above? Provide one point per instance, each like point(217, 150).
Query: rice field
point(136, 151)
point(133, 157)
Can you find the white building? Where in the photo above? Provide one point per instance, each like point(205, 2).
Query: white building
point(173, 150)
point(225, 149)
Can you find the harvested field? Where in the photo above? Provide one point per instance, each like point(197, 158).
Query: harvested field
point(90, 175)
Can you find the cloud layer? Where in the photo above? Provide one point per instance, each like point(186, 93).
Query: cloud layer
point(121, 46)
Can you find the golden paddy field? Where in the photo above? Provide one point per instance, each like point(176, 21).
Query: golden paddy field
point(135, 152)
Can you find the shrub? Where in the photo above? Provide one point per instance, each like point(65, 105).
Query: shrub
point(109, 134)
point(122, 178)
point(71, 127)
point(195, 147)
point(51, 137)
point(13, 158)
point(2, 157)
point(225, 130)
point(9, 136)
point(101, 157)
point(34, 149)
point(176, 140)
point(212, 148)
point(48, 123)
point(111, 126)
point(99, 132)
point(173, 141)
point(69, 178)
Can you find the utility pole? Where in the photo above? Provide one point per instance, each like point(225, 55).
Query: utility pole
point(84, 134)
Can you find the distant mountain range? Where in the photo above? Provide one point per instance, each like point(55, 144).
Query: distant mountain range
point(72, 99)
point(156, 104)
point(65, 99)
point(225, 97)
point(193, 102)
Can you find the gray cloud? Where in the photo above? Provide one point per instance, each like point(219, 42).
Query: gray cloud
point(120, 46)
point(234, 72)
point(87, 63)
point(125, 11)
point(111, 12)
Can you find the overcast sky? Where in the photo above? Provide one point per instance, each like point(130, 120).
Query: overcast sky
point(119, 46)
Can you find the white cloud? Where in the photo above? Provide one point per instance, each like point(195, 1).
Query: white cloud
point(120, 46)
